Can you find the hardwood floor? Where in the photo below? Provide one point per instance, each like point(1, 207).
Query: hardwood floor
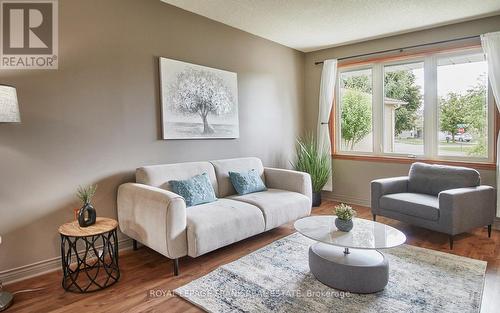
point(144, 271)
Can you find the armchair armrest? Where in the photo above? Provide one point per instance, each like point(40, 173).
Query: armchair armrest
point(289, 180)
point(464, 208)
point(385, 186)
point(153, 216)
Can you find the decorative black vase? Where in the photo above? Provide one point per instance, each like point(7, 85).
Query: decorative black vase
point(316, 201)
point(343, 225)
point(86, 215)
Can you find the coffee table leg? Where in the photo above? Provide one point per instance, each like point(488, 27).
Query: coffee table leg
point(353, 270)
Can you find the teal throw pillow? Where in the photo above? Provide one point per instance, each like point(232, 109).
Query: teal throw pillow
point(247, 182)
point(196, 190)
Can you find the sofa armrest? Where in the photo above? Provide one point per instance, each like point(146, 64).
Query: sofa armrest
point(464, 208)
point(385, 186)
point(153, 216)
point(289, 180)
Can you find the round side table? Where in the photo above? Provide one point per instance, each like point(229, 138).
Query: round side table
point(89, 255)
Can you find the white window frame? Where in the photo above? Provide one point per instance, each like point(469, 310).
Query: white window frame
point(491, 116)
point(431, 110)
point(381, 103)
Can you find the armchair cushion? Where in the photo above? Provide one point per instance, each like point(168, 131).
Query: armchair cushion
point(431, 179)
point(414, 204)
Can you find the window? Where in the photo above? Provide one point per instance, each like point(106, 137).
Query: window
point(356, 110)
point(462, 85)
point(434, 107)
point(404, 108)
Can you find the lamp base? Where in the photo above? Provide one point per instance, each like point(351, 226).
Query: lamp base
point(6, 299)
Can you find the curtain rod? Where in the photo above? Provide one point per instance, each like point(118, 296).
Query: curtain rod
point(401, 49)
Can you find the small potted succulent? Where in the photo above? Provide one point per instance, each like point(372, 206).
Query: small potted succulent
point(344, 213)
point(87, 214)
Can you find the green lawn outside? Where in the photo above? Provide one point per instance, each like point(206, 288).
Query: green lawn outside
point(456, 148)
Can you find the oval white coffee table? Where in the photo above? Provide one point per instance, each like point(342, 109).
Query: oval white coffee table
point(349, 261)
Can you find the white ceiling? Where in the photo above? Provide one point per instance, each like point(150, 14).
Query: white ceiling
point(309, 25)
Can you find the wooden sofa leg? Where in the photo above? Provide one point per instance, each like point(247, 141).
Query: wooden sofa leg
point(134, 244)
point(374, 217)
point(451, 242)
point(489, 231)
point(176, 267)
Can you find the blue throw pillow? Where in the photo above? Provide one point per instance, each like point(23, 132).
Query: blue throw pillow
point(196, 190)
point(247, 182)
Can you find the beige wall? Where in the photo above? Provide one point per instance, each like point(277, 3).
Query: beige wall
point(352, 178)
point(97, 118)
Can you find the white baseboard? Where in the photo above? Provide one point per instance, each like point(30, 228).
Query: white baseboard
point(46, 266)
point(496, 225)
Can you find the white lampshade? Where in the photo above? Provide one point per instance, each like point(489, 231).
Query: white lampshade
point(9, 109)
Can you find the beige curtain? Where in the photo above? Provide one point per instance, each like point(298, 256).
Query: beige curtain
point(326, 95)
point(491, 47)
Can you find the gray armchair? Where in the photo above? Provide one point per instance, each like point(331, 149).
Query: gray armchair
point(446, 199)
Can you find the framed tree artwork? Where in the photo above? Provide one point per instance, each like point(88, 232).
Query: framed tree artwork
point(197, 101)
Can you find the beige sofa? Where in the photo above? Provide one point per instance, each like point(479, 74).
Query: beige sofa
point(151, 214)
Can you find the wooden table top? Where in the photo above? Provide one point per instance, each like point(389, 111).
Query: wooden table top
point(102, 225)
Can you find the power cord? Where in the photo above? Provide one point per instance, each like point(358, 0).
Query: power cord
point(7, 298)
point(21, 291)
point(27, 290)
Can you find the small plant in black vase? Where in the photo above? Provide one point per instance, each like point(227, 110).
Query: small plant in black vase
point(87, 214)
point(344, 213)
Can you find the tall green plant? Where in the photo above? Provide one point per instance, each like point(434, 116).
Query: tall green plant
point(310, 160)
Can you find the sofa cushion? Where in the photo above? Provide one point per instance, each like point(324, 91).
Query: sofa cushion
point(220, 223)
point(160, 175)
point(223, 167)
point(247, 182)
point(278, 206)
point(431, 179)
point(196, 190)
point(414, 204)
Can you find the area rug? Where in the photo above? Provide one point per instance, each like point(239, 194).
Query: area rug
point(276, 278)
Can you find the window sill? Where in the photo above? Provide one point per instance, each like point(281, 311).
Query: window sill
point(386, 159)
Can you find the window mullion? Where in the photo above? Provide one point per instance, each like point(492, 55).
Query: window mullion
point(378, 108)
point(431, 127)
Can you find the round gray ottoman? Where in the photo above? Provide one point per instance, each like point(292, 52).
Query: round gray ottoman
point(359, 271)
